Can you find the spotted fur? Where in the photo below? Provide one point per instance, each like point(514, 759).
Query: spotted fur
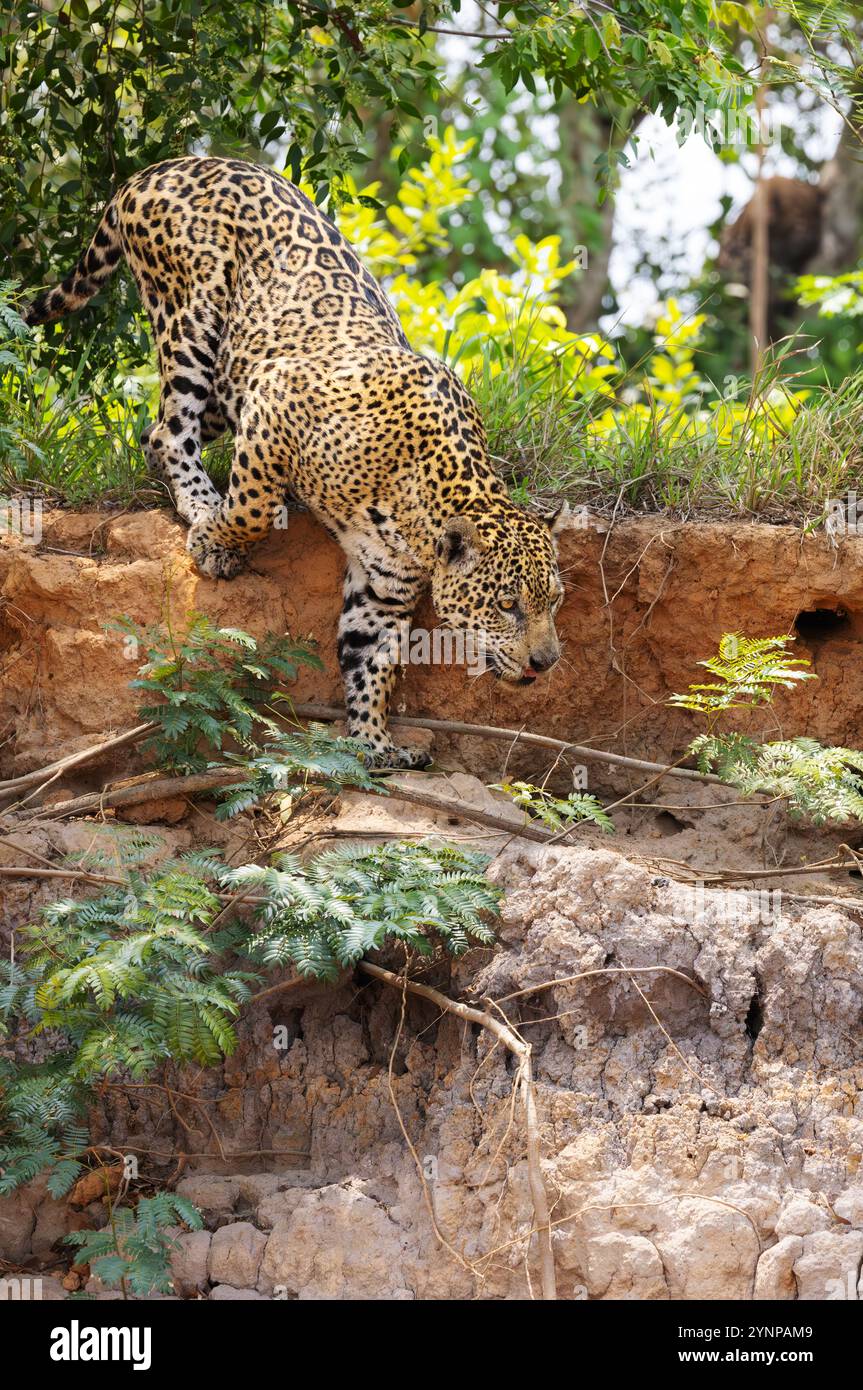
point(267, 324)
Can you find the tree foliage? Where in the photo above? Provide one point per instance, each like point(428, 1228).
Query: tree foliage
point(144, 974)
point(353, 899)
point(291, 760)
point(822, 784)
point(94, 90)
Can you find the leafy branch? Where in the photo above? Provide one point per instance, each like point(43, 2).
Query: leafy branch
point(324, 918)
point(748, 671)
point(209, 685)
point(292, 761)
point(157, 970)
point(135, 1247)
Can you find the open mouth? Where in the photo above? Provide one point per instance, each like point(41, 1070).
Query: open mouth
point(512, 675)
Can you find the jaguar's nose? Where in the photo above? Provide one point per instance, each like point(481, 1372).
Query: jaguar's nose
point(544, 659)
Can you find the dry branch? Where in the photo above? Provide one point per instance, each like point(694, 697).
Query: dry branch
point(153, 789)
point(490, 731)
point(86, 755)
point(16, 785)
point(157, 788)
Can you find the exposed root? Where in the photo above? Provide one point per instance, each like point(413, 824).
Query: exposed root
point(506, 1035)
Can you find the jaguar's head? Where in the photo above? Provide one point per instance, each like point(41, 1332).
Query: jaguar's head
point(496, 576)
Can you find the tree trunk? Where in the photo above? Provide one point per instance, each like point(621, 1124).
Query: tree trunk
point(842, 213)
point(586, 133)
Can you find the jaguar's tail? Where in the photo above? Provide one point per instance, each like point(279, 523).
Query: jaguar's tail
point(95, 266)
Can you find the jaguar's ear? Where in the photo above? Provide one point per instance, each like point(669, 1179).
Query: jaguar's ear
point(558, 519)
point(459, 546)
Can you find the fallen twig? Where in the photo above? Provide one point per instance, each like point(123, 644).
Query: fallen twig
point(794, 870)
point(280, 988)
point(28, 871)
point(458, 808)
point(847, 904)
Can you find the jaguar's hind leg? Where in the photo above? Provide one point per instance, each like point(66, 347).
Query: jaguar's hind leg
point(189, 413)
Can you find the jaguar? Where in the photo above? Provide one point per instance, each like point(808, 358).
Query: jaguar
point(267, 325)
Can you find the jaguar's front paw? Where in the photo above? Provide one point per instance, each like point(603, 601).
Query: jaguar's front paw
point(397, 758)
point(212, 559)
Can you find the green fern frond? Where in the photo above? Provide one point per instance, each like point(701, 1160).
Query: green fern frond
point(203, 688)
point(12, 324)
point(135, 1249)
point(290, 762)
point(820, 783)
point(351, 899)
point(749, 670)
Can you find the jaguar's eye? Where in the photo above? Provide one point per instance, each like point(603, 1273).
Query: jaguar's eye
point(507, 604)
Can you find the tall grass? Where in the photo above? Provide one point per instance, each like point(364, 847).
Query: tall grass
point(541, 436)
point(73, 446)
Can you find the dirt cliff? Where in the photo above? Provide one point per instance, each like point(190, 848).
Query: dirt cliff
point(697, 1056)
point(645, 600)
